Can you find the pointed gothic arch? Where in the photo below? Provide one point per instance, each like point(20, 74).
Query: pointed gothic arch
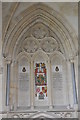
point(59, 78)
point(40, 13)
point(40, 32)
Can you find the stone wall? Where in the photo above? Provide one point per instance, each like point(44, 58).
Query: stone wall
point(40, 33)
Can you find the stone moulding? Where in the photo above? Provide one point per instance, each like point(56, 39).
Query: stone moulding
point(39, 20)
point(1, 69)
point(49, 17)
point(40, 115)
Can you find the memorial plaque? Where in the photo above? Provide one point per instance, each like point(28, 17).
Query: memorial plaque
point(23, 86)
point(57, 79)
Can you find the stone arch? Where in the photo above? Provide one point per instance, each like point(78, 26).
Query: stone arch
point(58, 76)
point(40, 13)
point(40, 58)
point(59, 54)
point(23, 80)
point(47, 27)
point(18, 63)
point(41, 53)
point(21, 55)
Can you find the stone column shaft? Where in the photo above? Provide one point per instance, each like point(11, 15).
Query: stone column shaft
point(70, 85)
point(32, 85)
point(49, 85)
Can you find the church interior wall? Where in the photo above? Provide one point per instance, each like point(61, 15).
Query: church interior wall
point(34, 34)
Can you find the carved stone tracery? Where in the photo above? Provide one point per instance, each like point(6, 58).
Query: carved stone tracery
point(41, 115)
point(49, 44)
point(40, 35)
point(30, 45)
point(39, 31)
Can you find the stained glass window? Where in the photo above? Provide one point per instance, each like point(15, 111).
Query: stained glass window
point(40, 81)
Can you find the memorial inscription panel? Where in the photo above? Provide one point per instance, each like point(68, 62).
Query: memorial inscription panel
point(23, 86)
point(57, 79)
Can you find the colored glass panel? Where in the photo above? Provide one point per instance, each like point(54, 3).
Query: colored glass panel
point(40, 81)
